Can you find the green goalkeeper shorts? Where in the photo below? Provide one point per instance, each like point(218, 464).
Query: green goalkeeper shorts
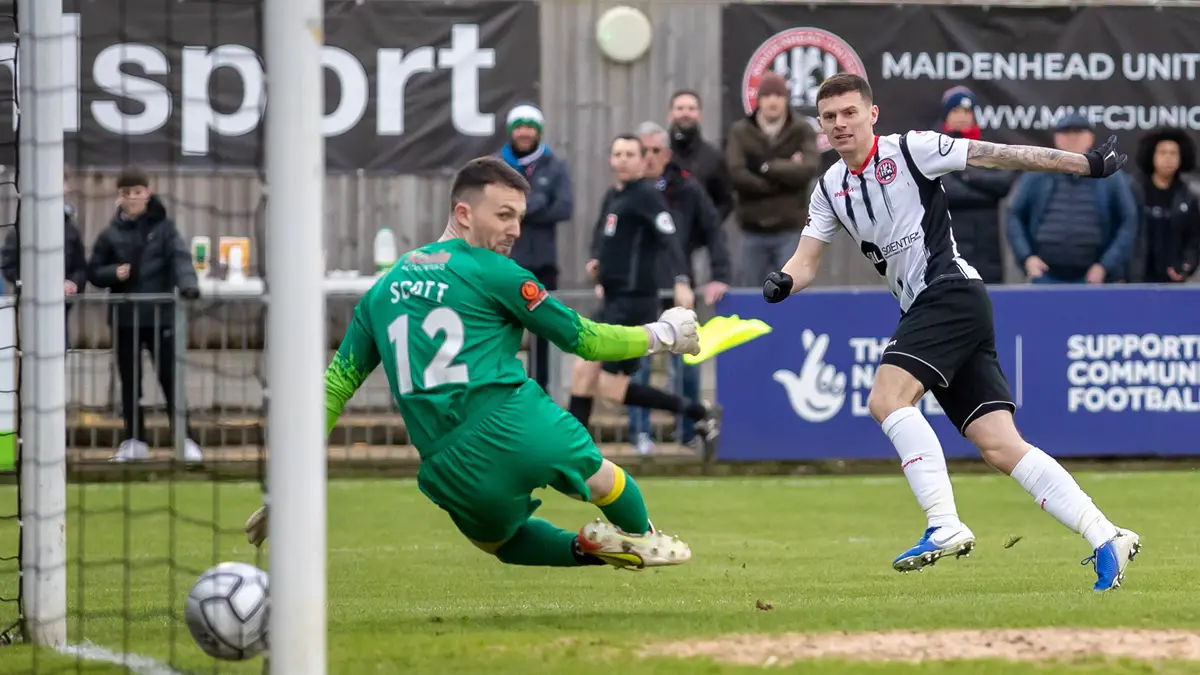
point(485, 480)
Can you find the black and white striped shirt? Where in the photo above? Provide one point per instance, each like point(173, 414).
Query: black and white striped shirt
point(895, 209)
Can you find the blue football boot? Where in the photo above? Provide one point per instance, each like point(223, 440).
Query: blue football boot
point(936, 542)
point(1111, 559)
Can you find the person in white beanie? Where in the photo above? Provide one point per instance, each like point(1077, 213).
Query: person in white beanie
point(550, 202)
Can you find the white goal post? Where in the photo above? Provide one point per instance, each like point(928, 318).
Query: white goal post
point(296, 342)
point(42, 327)
point(296, 352)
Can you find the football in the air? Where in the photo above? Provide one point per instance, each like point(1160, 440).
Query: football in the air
point(227, 611)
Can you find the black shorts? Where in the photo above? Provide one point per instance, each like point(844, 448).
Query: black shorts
point(947, 341)
point(627, 311)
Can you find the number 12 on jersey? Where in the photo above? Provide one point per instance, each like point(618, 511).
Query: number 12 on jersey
point(441, 369)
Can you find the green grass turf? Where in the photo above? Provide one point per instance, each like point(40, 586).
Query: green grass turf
point(407, 594)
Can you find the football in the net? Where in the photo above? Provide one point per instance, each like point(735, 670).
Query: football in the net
point(227, 611)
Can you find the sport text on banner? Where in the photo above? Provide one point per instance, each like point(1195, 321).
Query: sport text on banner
point(409, 86)
point(1128, 69)
point(1088, 380)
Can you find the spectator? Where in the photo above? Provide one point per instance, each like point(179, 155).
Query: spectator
point(697, 226)
point(141, 252)
point(772, 158)
point(974, 194)
point(74, 257)
point(1168, 243)
point(549, 203)
point(693, 154)
point(1071, 229)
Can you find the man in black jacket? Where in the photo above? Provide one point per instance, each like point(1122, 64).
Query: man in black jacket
point(697, 226)
point(975, 193)
point(74, 257)
point(695, 155)
point(634, 245)
point(141, 252)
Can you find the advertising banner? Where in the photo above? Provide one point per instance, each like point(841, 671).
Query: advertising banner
point(410, 87)
point(1094, 372)
point(1128, 69)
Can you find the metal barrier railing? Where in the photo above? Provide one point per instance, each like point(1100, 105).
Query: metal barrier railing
point(206, 357)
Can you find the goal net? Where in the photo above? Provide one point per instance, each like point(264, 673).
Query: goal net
point(133, 449)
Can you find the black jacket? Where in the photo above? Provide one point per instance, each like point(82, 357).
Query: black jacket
point(158, 258)
point(1182, 238)
point(706, 163)
point(74, 257)
point(974, 196)
point(635, 241)
point(696, 222)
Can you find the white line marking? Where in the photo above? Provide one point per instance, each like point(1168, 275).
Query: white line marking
point(134, 663)
point(1020, 378)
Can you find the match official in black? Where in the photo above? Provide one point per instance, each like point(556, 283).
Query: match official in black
point(698, 226)
point(634, 242)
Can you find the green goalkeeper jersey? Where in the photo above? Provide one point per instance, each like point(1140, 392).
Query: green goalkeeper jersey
point(446, 323)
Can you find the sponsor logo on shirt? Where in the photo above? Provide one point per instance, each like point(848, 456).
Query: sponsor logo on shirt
point(901, 244)
point(425, 261)
point(419, 258)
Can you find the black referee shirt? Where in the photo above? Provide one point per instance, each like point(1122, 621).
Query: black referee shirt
point(635, 240)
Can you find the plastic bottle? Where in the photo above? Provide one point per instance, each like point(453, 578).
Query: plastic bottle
point(237, 265)
point(385, 250)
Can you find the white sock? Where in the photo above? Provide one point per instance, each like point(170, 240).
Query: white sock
point(1059, 495)
point(923, 464)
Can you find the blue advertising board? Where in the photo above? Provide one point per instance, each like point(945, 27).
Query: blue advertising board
point(1095, 371)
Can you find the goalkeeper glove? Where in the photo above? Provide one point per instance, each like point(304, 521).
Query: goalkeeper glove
point(675, 331)
point(1104, 160)
point(256, 526)
point(777, 287)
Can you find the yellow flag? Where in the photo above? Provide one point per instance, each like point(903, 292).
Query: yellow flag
point(725, 332)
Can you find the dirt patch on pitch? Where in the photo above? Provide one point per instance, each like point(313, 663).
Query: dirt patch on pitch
point(1036, 644)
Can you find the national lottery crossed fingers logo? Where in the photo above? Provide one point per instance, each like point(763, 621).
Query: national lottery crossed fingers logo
point(818, 391)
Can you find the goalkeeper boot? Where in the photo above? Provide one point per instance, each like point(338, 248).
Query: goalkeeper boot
point(957, 541)
point(1111, 559)
point(631, 551)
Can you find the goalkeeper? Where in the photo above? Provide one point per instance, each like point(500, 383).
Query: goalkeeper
point(446, 323)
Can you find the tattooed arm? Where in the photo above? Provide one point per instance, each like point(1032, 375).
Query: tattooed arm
point(1026, 158)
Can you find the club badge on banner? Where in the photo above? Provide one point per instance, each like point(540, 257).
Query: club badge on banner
point(1128, 69)
point(1088, 380)
point(409, 86)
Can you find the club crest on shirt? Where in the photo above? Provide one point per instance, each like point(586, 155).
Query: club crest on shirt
point(885, 171)
point(664, 224)
point(610, 225)
point(533, 294)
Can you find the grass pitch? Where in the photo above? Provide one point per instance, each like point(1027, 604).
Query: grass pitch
point(408, 594)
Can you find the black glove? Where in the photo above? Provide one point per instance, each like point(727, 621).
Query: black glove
point(755, 164)
point(777, 287)
point(190, 293)
point(1104, 160)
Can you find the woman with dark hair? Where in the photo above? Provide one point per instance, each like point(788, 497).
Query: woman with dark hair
point(1168, 243)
